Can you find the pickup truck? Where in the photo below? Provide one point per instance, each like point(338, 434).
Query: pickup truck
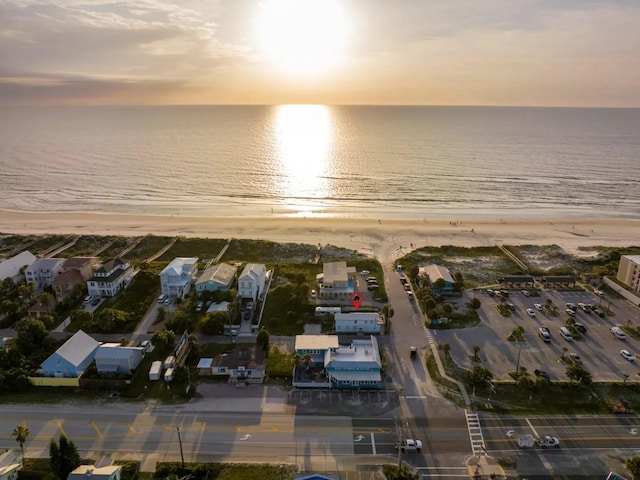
point(409, 446)
point(548, 442)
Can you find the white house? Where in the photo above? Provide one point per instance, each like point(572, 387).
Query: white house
point(336, 280)
point(177, 277)
point(43, 271)
point(114, 359)
point(110, 278)
point(252, 281)
point(216, 277)
point(358, 322)
point(85, 472)
point(245, 363)
point(10, 268)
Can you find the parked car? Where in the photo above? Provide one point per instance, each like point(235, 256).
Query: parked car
point(537, 306)
point(95, 301)
point(372, 286)
point(490, 292)
point(541, 373)
point(544, 334)
point(313, 294)
point(364, 273)
point(531, 312)
point(572, 306)
point(571, 312)
point(627, 355)
point(87, 299)
point(414, 352)
point(525, 293)
point(600, 293)
point(575, 358)
point(511, 306)
point(580, 327)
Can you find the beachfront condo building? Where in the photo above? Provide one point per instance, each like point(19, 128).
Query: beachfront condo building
point(337, 280)
point(629, 271)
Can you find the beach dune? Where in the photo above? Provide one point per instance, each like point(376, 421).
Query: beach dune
point(384, 239)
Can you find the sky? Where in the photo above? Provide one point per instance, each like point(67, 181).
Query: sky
point(401, 52)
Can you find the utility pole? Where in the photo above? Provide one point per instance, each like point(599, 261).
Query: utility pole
point(180, 442)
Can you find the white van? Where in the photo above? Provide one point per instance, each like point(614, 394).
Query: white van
point(617, 331)
point(566, 334)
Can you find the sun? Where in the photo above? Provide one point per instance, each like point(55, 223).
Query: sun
point(302, 36)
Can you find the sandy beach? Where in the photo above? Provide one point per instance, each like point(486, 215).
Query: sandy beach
point(384, 239)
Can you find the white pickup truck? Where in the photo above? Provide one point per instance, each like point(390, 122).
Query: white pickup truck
point(409, 446)
point(527, 441)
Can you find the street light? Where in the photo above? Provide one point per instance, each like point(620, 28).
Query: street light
point(180, 442)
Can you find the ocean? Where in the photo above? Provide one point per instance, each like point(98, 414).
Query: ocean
point(322, 161)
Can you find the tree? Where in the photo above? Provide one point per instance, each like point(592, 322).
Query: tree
point(476, 350)
point(478, 376)
point(307, 360)
point(21, 433)
point(577, 372)
point(447, 308)
point(32, 335)
point(83, 318)
point(262, 339)
point(475, 303)
point(47, 300)
point(214, 322)
point(633, 466)
point(439, 284)
point(63, 457)
point(164, 340)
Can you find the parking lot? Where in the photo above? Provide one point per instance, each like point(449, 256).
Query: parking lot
point(598, 349)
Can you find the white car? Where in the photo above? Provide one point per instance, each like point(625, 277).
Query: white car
point(600, 293)
point(544, 334)
point(531, 312)
point(525, 293)
point(87, 299)
point(364, 273)
point(538, 306)
point(571, 312)
point(627, 355)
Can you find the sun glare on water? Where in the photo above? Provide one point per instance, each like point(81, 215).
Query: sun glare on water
point(302, 36)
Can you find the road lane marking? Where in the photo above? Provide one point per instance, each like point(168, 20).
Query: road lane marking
point(373, 444)
point(131, 429)
point(475, 432)
point(531, 427)
point(95, 427)
point(62, 432)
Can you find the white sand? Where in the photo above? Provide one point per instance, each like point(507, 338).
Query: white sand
point(386, 239)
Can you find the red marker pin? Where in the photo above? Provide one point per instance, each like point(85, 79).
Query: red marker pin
point(356, 299)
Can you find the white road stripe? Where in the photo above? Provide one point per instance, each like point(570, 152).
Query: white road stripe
point(532, 429)
point(373, 444)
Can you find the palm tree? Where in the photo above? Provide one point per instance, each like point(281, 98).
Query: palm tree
point(21, 433)
point(47, 300)
point(476, 350)
point(307, 360)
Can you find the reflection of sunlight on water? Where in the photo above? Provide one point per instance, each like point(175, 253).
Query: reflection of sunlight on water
point(304, 138)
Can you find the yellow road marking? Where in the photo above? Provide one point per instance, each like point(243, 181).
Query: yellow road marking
point(95, 427)
point(62, 432)
point(131, 429)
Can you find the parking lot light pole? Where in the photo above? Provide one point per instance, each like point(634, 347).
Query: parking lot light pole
point(180, 442)
point(518, 360)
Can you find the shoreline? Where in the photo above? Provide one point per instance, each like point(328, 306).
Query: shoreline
point(383, 238)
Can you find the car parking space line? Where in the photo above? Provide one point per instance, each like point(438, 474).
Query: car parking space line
point(531, 427)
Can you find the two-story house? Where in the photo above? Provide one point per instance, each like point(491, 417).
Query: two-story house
point(357, 365)
point(11, 267)
point(252, 281)
point(110, 278)
point(177, 277)
point(43, 271)
point(358, 322)
point(336, 280)
point(74, 271)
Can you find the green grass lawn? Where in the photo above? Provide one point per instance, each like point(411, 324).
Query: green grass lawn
point(86, 245)
point(147, 247)
point(203, 248)
point(226, 471)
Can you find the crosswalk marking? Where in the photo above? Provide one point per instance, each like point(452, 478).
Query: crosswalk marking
point(475, 433)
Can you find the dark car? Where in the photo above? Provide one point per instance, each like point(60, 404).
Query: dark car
point(95, 301)
point(372, 286)
point(580, 327)
point(542, 373)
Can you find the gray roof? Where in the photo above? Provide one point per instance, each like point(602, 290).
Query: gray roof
point(109, 351)
point(77, 348)
point(45, 264)
point(10, 267)
point(437, 271)
point(222, 274)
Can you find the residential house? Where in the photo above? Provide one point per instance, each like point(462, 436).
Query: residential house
point(43, 271)
point(629, 271)
point(245, 363)
point(72, 358)
point(11, 267)
point(216, 277)
point(358, 322)
point(110, 278)
point(177, 277)
point(251, 282)
point(64, 283)
point(357, 365)
point(337, 280)
point(86, 472)
point(84, 265)
point(436, 272)
point(114, 359)
point(10, 464)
